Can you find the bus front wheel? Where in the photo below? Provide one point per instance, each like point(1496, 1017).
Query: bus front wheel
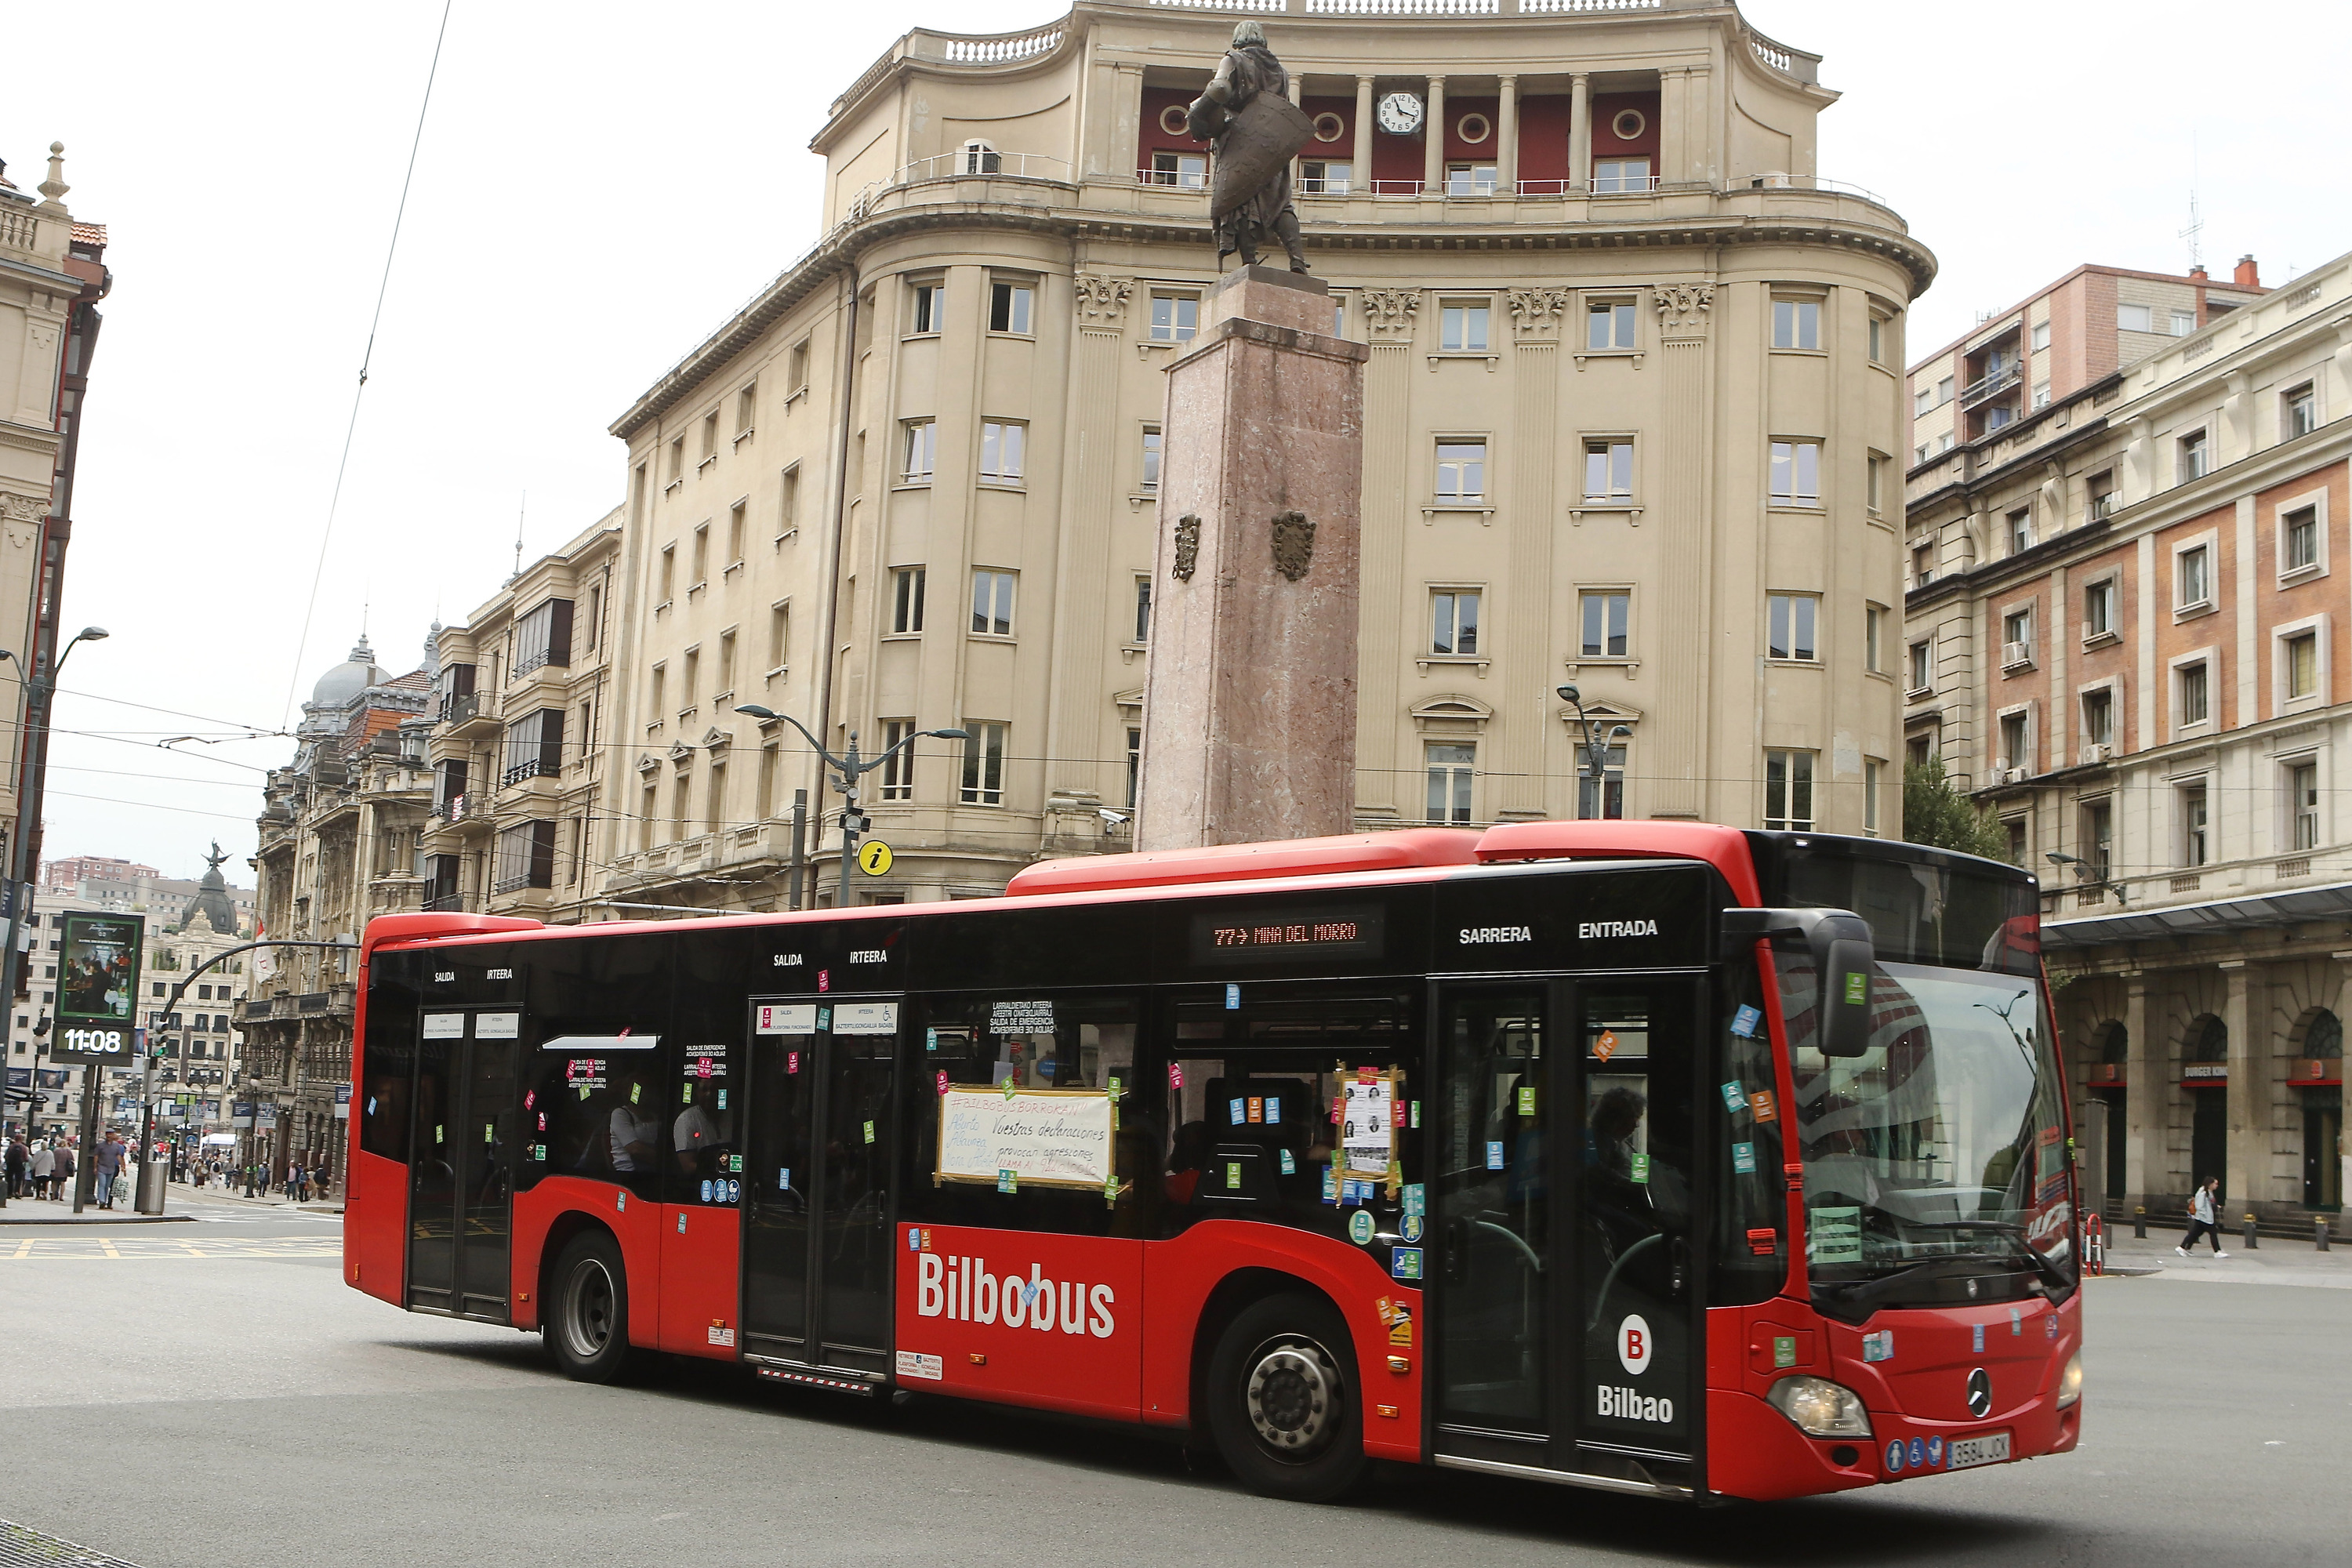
point(588, 1327)
point(1283, 1400)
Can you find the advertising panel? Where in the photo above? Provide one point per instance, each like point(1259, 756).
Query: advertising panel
point(98, 988)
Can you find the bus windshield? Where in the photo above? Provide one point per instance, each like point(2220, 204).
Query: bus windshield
point(1938, 1156)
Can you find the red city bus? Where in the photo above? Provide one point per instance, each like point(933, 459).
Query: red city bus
point(1543, 1152)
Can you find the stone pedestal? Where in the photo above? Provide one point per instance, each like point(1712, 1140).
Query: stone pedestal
point(1249, 697)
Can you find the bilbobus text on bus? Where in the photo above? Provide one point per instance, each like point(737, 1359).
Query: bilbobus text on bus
point(1661, 1158)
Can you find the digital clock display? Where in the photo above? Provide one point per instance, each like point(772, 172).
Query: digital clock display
point(1277, 935)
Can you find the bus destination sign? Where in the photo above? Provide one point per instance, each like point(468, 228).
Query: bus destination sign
point(1286, 935)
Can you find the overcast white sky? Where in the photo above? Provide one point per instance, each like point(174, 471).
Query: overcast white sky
point(599, 186)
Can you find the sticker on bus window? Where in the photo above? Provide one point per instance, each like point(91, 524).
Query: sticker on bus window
point(1360, 1227)
point(1007, 1181)
point(539, 1152)
point(706, 1197)
point(1735, 1097)
point(1405, 1262)
point(1760, 1102)
point(1289, 1165)
point(1237, 1112)
point(1606, 1045)
point(1879, 1346)
point(1175, 1074)
point(783, 1178)
point(2016, 1323)
point(1416, 1116)
point(1495, 1154)
point(1744, 1022)
point(722, 1100)
point(1743, 1158)
point(792, 1061)
point(1977, 1344)
point(1330, 1185)
point(941, 1082)
point(914, 1239)
point(685, 1094)
point(1526, 1100)
point(1233, 1175)
point(1273, 1107)
point(1416, 1200)
point(1256, 1109)
point(869, 1132)
point(1784, 1349)
point(636, 1090)
point(1233, 998)
point(1639, 1164)
point(734, 1161)
point(1413, 1228)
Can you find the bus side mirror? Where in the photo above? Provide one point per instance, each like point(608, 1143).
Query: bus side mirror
point(1843, 962)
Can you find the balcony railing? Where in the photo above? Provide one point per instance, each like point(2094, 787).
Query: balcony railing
point(977, 163)
point(1992, 384)
point(537, 768)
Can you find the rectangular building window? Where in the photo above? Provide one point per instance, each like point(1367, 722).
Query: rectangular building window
point(2194, 842)
point(535, 746)
point(2015, 742)
point(1175, 318)
point(1469, 179)
point(1461, 471)
point(1796, 323)
point(747, 405)
point(1603, 614)
point(690, 689)
point(788, 504)
point(2134, 318)
point(2041, 336)
point(2017, 636)
point(668, 573)
point(1142, 609)
point(1877, 340)
point(2195, 695)
point(1454, 613)
point(2098, 837)
point(771, 758)
point(1609, 324)
point(1796, 473)
point(677, 458)
point(2299, 539)
point(921, 450)
point(543, 637)
point(779, 636)
point(2298, 412)
point(657, 681)
point(1601, 799)
point(2021, 530)
point(931, 306)
point(1921, 672)
point(2303, 804)
point(1788, 791)
point(1134, 764)
point(701, 572)
point(1873, 776)
point(2101, 491)
point(2183, 322)
point(2099, 608)
point(1151, 457)
point(1324, 177)
point(983, 763)
point(710, 436)
point(1875, 478)
point(2099, 717)
point(1001, 442)
point(1450, 768)
point(1874, 639)
point(2299, 664)
point(1462, 326)
point(1789, 626)
point(899, 769)
point(1185, 171)
point(1608, 470)
point(907, 599)
point(726, 666)
point(2041, 395)
point(1008, 308)
point(526, 857)
point(2193, 568)
point(991, 602)
point(1619, 176)
point(735, 533)
point(2193, 456)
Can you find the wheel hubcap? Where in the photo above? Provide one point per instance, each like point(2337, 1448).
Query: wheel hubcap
point(588, 1309)
point(1293, 1397)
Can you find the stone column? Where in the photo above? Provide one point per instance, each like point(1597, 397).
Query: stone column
point(1579, 132)
point(2248, 1182)
point(1433, 144)
point(1526, 607)
point(1361, 182)
point(1673, 124)
point(1507, 139)
point(1249, 694)
point(1678, 755)
point(1388, 463)
point(2144, 1095)
point(1083, 595)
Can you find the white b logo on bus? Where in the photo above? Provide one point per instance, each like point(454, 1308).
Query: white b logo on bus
point(1633, 1345)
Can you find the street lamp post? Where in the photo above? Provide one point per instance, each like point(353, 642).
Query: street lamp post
point(2088, 874)
point(32, 754)
point(1595, 747)
point(851, 769)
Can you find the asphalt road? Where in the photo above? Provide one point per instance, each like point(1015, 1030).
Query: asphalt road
point(213, 1395)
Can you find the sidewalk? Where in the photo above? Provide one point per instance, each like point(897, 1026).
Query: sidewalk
point(235, 1195)
point(34, 1211)
point(2278, 1261)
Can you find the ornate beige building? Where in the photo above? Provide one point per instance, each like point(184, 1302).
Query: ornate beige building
point(1634, 421)
point(520, 750)
point(2120, 634)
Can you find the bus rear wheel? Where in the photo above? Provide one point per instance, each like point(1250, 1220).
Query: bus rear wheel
point(587, 1324)
point(1283, 1402)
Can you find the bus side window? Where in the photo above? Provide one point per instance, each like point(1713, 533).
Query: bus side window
point(1072, 1042)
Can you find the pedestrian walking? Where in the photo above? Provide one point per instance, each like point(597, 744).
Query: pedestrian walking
point(2201, 1218)
point(45, 1166)
point(109, 1165)
point(61, 1179)
point(19, 1166)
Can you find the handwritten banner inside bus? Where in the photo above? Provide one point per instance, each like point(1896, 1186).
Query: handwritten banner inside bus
point(1043, 1137)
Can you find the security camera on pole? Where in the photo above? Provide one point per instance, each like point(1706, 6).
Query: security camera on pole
point(851, 769)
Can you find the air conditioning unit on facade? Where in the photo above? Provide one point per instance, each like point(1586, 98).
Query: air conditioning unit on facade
point(2016, 653)
point(2096, 753)
point(2012, 776)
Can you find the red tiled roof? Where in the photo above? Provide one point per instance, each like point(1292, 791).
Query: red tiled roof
point(89, 233)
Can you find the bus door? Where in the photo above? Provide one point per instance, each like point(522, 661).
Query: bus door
point(461, 1176)
point(817, 1201)
point(1565, 1310)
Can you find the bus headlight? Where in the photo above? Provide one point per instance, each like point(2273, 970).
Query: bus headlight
point(2070, 1382)
point(1821, 1408)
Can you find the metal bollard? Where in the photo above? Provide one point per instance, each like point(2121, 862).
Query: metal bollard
point(2319, 1233)
point(2139, 1225)
point(2252, 1236)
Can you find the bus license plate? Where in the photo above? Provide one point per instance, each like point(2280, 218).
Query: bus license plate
point(1992, 1448)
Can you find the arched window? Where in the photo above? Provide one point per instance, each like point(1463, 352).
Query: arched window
point(2209, 1043)
point(2325, 1038)
point(2114, 1044)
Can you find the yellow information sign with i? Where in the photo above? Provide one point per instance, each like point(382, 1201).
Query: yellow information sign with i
point(874, 859)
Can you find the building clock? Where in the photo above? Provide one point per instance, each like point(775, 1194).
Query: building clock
point(1400, 113)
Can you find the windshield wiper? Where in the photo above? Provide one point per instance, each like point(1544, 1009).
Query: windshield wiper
point(1949, 1267)
point(2015, 1232)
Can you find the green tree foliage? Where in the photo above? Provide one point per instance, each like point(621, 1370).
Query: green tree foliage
point(1936, 815)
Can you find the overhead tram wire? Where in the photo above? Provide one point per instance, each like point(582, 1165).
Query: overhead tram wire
point(384, 286)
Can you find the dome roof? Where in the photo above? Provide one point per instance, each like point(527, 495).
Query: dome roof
point(349, 678)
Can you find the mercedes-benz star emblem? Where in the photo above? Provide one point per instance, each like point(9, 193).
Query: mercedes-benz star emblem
point(1979, 1393)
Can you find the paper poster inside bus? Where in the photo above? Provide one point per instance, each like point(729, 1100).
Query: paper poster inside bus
point(1041, 1137)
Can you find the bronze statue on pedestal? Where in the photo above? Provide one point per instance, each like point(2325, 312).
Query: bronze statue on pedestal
point(1245, 113)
